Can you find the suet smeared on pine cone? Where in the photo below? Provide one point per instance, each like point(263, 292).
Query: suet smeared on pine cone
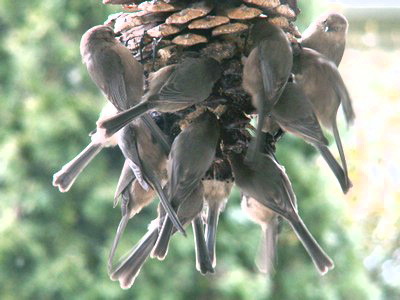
point(211, 38)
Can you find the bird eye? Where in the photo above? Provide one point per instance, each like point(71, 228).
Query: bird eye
point(326, 27)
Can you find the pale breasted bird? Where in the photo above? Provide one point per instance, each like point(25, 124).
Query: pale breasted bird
point(119, 76)
point(147, 160)
point(327, 35)
point(294, 114)
point(129, 268)
point(268, 183)
point(321, 82)
point(191, 155)
point(134, 198)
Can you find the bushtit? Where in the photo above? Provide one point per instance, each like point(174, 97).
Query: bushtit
point(147, 160)
point(268, 183)
point(134, 198)
point(189, 211)
point(65, 178)
point(171, 88)
point(114, 70)
point(112, 67)
point(128, 270)
point(294, 113)
point(216, 195)
point(321, 82)
point(191, 155)
point(268, 221)
point(266, 71)
point(327, 35)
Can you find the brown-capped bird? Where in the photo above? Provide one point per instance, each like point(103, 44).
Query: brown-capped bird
point(119, 76)
point(294, 113)
point(133, 198)
point(147, 160)
point(268, 183)
point(129, 268)
point(191, 155)
point(321, 82)
point(327, 35)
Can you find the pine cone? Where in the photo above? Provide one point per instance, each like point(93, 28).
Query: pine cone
point(160, 32)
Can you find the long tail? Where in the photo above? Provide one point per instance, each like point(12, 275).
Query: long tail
point(267, 252)
point(64, 178)
point(129, 269)
point(115, 123)
point(348, 108)
point(320, 259)
point(344, 181)
point(340, 149)
point(211, 232)
point(160, 250)
point(156, 184)
point(203, 262)
point(121, 227)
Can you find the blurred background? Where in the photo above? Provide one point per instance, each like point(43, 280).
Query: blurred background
point(55, 246)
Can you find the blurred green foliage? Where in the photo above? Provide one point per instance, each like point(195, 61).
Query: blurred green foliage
point(55, 246)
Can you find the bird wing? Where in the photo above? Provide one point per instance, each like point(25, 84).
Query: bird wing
point(109, 76)
point(190, 82)
point(273, 83)
point(307, 128)
point(182, 183)
point(266, 72)
point(341, 92)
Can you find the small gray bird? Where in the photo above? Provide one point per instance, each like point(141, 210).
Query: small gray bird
point(327, 35)
point(66, 177)
point(171, 88)
point(134, 198)
point(127, 183)
point(268, 183)
point(216, 195)
point(266, 71)
point(114, 70)
point(321, 82)
point(129, 268)
point(147, 160)
point(112, 67)
point(268, 221)
point(294, 113)
point(191, 155)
